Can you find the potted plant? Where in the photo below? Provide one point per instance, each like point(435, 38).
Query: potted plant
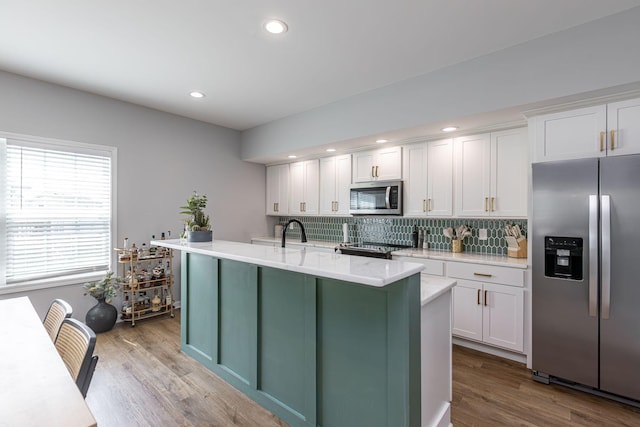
point(102, 316)
point(197, 226)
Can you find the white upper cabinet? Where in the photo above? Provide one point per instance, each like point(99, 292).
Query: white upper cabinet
point(570, 134)
point(335, 179)
point(415, 180)
point(602, 130)
point(377, 165)
point(428, 173)
point(473, 175)
point(509, 173)
point(491, 174)
point(277, 190)
point(304, 186)
point(623, 127)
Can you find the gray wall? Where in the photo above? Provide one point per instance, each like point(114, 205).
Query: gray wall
point(162, 158)
point(594, 56)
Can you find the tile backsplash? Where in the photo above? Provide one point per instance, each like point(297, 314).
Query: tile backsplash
point(397, 230)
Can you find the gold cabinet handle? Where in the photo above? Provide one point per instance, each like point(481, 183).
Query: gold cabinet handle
point(304, 205)
point(301, 209)
point(424, 208)
point(486, 201)
point(485, 298)
point(602, 141)
point(373, 168)
point(333, 206)
point(613, 144)
point(429, 205)
point(275, 207)
point(337, 205)
point(377, 176)
point(493, 204)
point(482, 274)
point(478, 296)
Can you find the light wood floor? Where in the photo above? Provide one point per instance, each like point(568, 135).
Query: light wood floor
point(142, 379)
point(492, 391)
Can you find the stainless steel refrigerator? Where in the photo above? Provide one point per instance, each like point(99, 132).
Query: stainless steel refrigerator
point(586, 274)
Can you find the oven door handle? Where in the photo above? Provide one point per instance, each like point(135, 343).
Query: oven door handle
point(387, 197)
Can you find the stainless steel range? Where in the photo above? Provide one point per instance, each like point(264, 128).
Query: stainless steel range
point(369, 249)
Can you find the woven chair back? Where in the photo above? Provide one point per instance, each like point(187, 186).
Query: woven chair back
point(58, 311)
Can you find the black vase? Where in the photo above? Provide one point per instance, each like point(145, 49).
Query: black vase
point(101, 317)
point(200, 236)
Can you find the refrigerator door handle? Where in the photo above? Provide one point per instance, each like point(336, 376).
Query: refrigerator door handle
point(606, 255)
point(593, 255)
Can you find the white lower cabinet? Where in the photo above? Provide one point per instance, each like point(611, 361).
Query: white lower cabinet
point(488, 300)
point(491, 313)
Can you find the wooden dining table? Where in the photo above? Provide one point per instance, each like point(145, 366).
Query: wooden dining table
point(36, 389)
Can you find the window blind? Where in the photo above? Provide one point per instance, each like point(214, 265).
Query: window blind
point(57, 207)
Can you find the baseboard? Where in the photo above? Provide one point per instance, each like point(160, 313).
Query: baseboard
point(518, 357)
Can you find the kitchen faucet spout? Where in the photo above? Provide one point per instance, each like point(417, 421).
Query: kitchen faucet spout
point(302, 232)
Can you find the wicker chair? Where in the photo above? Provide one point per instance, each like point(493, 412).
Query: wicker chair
point(58, 311)
point(75, 344)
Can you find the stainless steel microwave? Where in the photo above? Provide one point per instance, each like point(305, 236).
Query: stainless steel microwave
point(376, 198)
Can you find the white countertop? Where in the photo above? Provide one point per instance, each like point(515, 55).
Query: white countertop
point(488, 259)
point(363, 270)
point(471, 257)
point(432, 287)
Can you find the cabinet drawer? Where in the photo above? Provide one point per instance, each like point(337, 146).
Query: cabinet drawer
point(432, 267)
point(486, 273)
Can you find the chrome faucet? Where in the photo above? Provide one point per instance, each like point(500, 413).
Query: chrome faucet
point(284, 231)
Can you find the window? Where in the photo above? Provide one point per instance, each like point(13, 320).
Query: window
point(55, 209)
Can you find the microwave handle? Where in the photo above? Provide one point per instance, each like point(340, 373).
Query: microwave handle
point(387, 197)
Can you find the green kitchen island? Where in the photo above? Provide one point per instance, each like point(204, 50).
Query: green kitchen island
point(319, 339)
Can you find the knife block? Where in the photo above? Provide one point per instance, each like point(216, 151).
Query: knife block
point(520, 251)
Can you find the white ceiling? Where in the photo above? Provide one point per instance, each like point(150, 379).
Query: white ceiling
point(153, 53)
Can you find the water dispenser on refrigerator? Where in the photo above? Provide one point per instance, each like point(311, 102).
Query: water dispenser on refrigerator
point(563, 257)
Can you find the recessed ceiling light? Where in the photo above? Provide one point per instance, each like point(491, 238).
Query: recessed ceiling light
point(331, 150)
point(449, 129)
point(196, 94)
point(292, 156)
point(276, 26)
point(381, 141)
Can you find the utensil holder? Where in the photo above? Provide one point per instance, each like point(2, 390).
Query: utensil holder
point(456, 246)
